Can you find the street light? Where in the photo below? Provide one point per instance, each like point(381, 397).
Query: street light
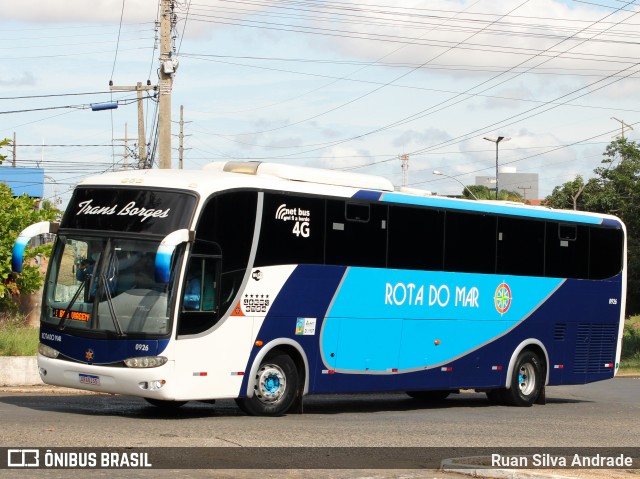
point(439, 173)
point(496, 141)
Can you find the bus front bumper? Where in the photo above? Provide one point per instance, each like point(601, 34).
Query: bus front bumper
point(155, 383)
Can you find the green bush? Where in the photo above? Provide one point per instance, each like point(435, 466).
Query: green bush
point(631, 342)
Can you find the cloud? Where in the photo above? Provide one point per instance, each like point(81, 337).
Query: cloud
point(461, 40)
point(340, 157)
point(99, 11)
point(427, 136)
point(25, 78)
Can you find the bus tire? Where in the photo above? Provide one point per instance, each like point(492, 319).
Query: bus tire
point(433, 396)
point(165, 404)
point(275, 388)
point(527, 380)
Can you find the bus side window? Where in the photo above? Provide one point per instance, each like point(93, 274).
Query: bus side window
point(199, 292)
point(200, 296)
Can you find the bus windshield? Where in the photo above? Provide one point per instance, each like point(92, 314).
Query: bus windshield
point(106, 286)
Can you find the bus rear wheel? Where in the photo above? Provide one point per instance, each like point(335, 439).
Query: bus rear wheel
point(527, 380)
point(275, 388)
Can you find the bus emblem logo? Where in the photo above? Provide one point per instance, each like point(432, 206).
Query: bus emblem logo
point(89, 355)
point(502, 298)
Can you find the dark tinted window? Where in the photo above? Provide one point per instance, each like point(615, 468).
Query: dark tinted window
point(566, 257)
point(606, 250)
point(357, 211)
point(470, 243)
point(132, 210)
point(229, 220)
point(520, 247)
point(292, 230)
point(416, 238)
point(200, 295)
point(356, 242)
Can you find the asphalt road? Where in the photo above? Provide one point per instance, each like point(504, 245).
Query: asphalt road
point(593, 415)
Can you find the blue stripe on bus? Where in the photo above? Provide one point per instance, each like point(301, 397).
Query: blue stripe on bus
point(612, 222)
point(367, 195)
point(422, 319)
point(365, 345)
point(482, 207)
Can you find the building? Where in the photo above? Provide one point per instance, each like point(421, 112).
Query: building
point(526, 184)
point(29, 181)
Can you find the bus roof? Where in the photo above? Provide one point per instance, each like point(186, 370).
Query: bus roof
point(220, 176)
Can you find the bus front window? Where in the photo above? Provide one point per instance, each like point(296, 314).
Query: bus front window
point(106, 286)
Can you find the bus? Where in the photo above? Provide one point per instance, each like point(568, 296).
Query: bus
point(264, 283)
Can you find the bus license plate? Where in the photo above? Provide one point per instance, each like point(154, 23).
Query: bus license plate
point(89, 379)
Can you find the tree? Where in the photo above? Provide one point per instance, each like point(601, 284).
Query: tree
point(16, 213)
point(4, 142)
point(614, 190)
point(481, 192)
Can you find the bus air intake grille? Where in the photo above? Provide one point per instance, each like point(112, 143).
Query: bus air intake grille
point(560, 332)
point(595, 347)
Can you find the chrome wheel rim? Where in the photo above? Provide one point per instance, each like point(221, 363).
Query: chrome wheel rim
point(271, 384)
point(527, 379)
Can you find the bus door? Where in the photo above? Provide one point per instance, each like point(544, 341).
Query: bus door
point(200, 297)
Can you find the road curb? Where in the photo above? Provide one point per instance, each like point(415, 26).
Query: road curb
point(19, 371)
point(470, 466)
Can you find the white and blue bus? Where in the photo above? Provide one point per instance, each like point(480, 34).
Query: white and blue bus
point(265, 283)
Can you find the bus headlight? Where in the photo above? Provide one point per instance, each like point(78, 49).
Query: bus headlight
point(145, 362)
point(48, 351)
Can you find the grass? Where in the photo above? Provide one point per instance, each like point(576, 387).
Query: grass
point(16, 339)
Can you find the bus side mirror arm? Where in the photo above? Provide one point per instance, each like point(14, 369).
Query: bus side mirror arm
point(165, 252)
point(17, 255)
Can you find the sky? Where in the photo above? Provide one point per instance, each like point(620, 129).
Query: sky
point(343, 85)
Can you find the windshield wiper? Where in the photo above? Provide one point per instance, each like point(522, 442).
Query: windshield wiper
point(67, 311)
point(114, 318)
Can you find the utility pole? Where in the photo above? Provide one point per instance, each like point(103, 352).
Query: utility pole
point(623, 125)
point(405, 169)
point(142, 147)
point(181, 136)
point(125, 155)
point(181, 147)
point(168, 65)
point(15, 150)
point(524, 191)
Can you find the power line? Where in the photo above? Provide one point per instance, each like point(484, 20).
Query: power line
point(54, 95)
point(83, 106)
point(117, 41)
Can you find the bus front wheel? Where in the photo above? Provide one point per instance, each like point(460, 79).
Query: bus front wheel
point(527, 380)
point(275, 387)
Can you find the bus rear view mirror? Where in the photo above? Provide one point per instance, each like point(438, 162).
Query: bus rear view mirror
point(165, 253)
point(17, 255)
